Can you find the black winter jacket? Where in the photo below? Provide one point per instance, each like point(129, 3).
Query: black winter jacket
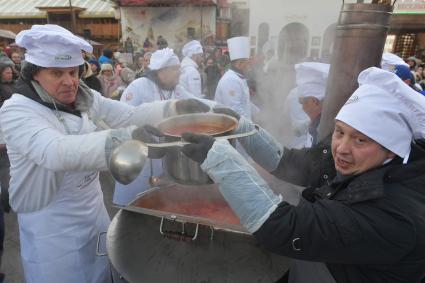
point(366, 228)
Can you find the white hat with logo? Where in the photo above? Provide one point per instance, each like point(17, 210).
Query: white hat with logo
point(192, 47)
point(386, 110)
point(238, 47)
point(311, 78)
point(163, 58)
point(52, 46)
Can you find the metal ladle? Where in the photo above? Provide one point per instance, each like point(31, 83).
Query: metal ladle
point(128, 159)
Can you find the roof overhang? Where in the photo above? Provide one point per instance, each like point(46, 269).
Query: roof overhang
point(162, 3)
point(66, 9)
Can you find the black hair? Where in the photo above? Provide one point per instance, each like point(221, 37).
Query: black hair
point(28, 70)
point(108, 53)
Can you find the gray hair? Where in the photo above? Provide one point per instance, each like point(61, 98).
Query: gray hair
point(28, 70)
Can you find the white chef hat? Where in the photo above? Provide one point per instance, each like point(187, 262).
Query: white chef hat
point(192, 47)
point(390, 60)
point(238, 47)
point(311, 79)
point(52, 46)
point(163, 58)
point(387, 110)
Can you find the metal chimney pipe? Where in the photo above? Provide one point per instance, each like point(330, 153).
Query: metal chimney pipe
point(359, 43)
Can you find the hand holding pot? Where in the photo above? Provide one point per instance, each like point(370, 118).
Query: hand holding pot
point(149, 134)
point(199, 146)
point(226, 111)
point(186, 106)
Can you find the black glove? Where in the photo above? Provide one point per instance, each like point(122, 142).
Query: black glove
point(186, 106)
point(199, 146)
point(226, 111)
point(150, 134)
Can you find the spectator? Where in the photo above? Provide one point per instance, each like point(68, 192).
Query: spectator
point(94, 65)
point(144, 63)
point(90, 78)
point(7, 84)
point(147, 45)
point(7, 88)
point(17, 59)
point(106, 57)
point(161, 42)
point(212, 70)
point(109, 80)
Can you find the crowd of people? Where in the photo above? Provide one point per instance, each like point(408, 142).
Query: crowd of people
point(360, 218)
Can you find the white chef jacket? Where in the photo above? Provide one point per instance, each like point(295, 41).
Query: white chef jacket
point(144, 90)
point(233, 92)
point(190, 78)
point(54, 187)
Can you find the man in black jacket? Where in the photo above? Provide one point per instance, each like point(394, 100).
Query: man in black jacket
point(367, 223)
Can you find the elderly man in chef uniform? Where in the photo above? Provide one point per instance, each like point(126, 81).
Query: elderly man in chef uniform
point(232, 89)
point(53, 128)
point(190, 78)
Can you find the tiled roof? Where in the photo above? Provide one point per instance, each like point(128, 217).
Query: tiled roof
point(29, 8)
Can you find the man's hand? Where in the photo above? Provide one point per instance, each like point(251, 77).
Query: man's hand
point(226, 111)
point(186, 106)
point(199, 146)
point(150, 134)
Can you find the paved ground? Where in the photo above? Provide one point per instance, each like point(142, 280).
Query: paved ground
point(11, 265)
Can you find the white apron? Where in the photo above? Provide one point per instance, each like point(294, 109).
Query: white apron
point(58, 242)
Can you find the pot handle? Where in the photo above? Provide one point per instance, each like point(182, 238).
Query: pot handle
point(180, 235)
point(98, 253)
point(182, 143)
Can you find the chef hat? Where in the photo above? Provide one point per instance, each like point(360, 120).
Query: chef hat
point(163, 58)
point(386, 110)
point(192, 47)
point(311, 79)
point(389, 60)
point(52, 46)
point(238, 47)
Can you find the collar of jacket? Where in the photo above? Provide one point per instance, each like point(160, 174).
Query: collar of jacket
point(83, 103)
point(238, 72)
point(152, 75)
point(187, 62)
point(370, 185)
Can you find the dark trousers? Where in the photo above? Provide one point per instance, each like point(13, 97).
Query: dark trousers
point(4, 204)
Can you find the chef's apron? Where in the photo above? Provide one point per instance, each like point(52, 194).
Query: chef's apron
point(58, 242)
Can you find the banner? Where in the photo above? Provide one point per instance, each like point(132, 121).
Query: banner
point(145, 24)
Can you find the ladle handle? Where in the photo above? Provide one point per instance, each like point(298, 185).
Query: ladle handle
point(182, 143)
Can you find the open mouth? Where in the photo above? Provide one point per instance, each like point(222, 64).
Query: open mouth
point(342, 163)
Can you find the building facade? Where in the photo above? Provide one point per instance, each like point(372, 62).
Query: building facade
point(93, 20)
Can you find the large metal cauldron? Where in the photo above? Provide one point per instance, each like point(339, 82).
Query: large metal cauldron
point(166, 236)
point(182, 169)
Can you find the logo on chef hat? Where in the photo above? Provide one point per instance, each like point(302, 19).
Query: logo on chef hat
point(392, 69)
point(352, 99)
point(63, 57)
